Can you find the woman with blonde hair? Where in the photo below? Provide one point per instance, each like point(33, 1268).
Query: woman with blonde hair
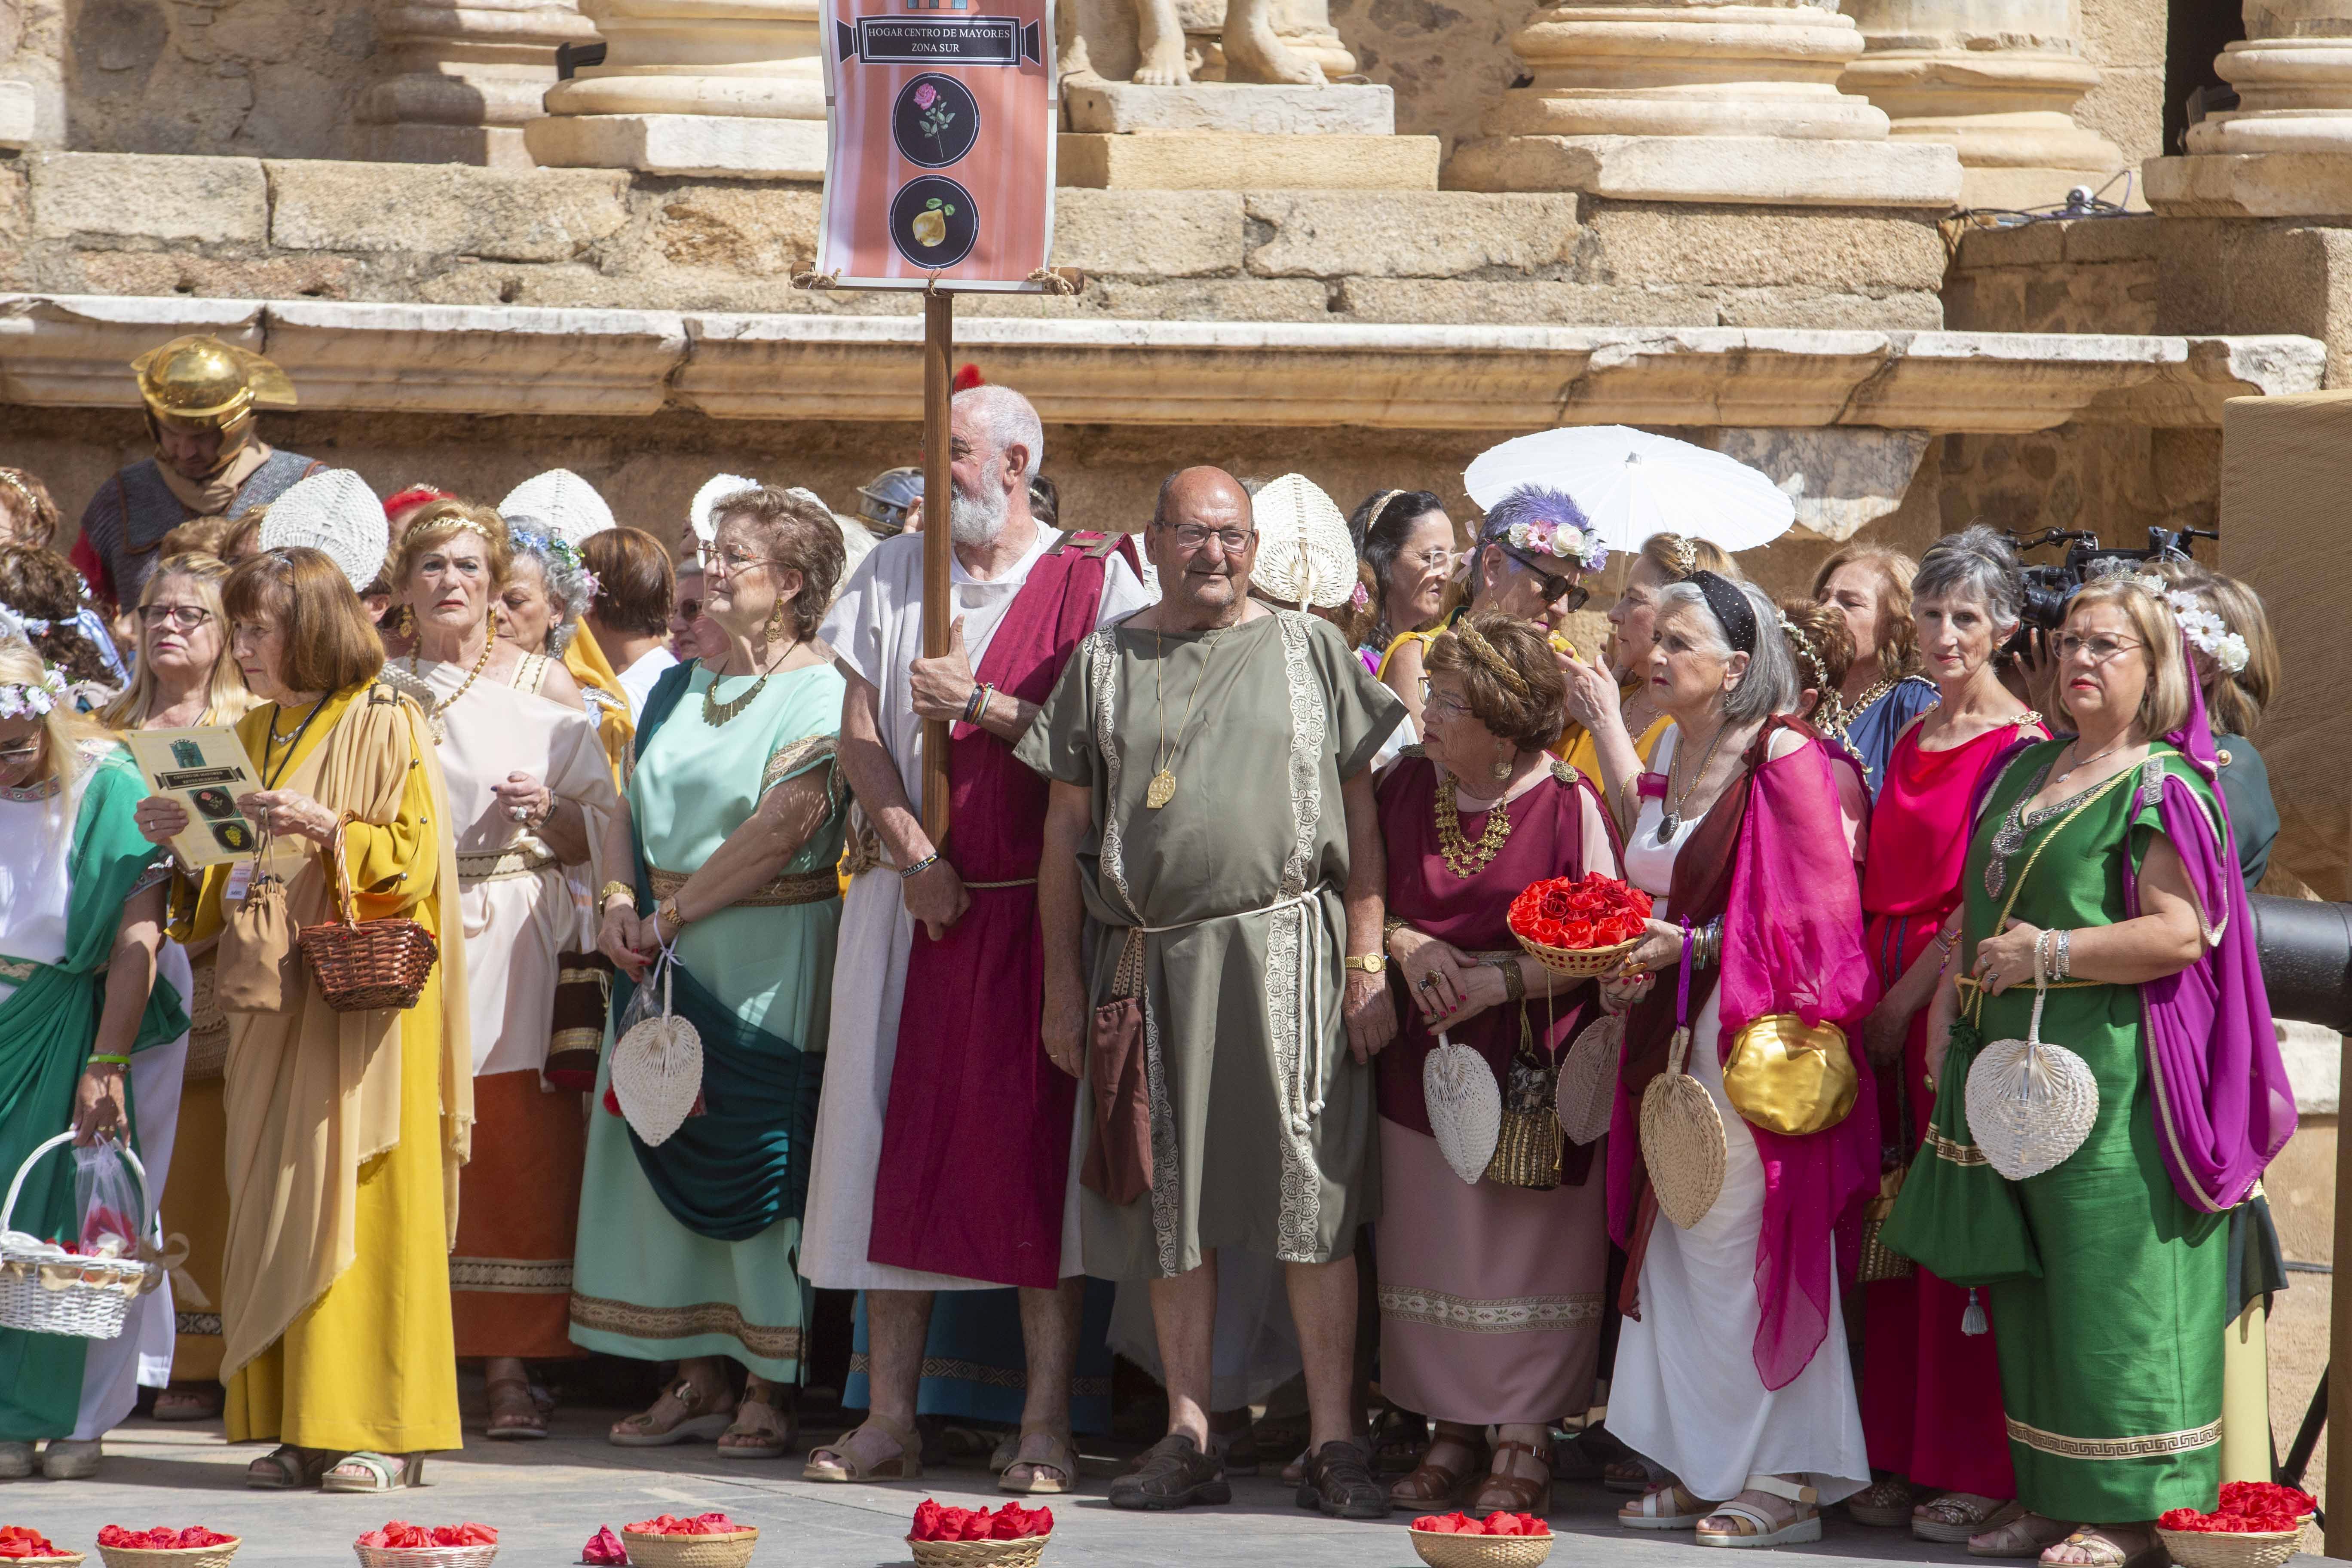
point(345, 1129)
point(1871, 586)
point(80, 1006)
point(186, 678)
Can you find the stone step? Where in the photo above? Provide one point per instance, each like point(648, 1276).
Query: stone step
point(1227, 160)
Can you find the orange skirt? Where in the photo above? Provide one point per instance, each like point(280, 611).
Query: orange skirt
point(518, 1218)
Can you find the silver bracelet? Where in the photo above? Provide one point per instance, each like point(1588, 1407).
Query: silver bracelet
point(919, 867)
point(2064, 949)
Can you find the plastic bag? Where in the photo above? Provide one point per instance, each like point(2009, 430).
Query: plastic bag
point(107, 1196)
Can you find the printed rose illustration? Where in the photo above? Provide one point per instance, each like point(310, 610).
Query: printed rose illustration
point(930, 225)
point(936, 119)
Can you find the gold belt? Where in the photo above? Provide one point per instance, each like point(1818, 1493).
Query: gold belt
point(799, 888)
point(496, 864)
point(16, 970)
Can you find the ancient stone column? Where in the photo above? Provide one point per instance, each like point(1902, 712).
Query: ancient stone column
point(2286, 149)
point(461, 78)
point(1680, 100)
point(1997, 79)
point(694, 87)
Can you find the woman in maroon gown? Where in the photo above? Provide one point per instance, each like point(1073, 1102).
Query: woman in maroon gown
point(1491, 1291)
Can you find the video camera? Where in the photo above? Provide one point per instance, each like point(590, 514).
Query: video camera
point(2049, 588)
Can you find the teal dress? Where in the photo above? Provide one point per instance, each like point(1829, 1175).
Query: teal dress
point(677, 1256)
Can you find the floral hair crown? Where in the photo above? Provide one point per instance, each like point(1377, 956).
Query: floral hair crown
point(1543, 522)
point(2207, 632)
point(28, 698)
point(562, 551)
point(1802, 647)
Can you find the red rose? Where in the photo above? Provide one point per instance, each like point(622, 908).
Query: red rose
point(1577, 934)
point(926, 1521)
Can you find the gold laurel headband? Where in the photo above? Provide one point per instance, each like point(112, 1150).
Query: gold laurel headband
point(463, 524)
point(1479, 648)
point(1802, 647)
point(8, 478)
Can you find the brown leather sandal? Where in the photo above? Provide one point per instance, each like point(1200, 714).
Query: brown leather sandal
point(1432, 1483)
point(515, 1421)
point(1504, 1490)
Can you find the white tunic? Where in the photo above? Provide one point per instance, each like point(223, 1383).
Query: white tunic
point(875, 629)
point(637, 681)
point(1686, 1393)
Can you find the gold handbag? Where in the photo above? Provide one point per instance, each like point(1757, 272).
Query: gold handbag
point(1877, 1262)
point(1527, 1153)
point(1786, 1077)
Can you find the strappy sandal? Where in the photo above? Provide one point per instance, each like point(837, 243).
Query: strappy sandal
point(751, 1438)
point(1627, 1475)
point(287, 1469)
point(1955, 1517)
point(370, 1472)
point(1434, 1483)
point(1669, 1505)
point(189, 1402)
point(513, 1424)
point(1885, 1505)
point(1051, 1474)
point(1754, 1524)
point(2099, 1551)
point(1398, 1439)
point(696, 1421)
point(837, 1461)
point(2026, 1535)
point(1506, 1491)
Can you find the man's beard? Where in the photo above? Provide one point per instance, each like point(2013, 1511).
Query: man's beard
point(976, 519)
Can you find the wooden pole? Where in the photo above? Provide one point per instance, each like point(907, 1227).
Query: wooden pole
point(939, 347)
point(2339, 1350)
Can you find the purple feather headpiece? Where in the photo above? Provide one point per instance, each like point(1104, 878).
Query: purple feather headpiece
point(1541, 522)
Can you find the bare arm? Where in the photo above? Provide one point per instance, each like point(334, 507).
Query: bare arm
point(1402, 677)
point(1371, 1020)
point(1069, 811)
point(934, 896)
point(2165, 938)
point(617, 934)
point(761, 846)
point(129, 979)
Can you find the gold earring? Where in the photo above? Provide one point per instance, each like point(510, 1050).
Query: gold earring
point(1502, 770)
point(775, 624)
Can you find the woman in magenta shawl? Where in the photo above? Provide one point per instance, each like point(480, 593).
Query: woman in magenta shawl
point(1732, 1372)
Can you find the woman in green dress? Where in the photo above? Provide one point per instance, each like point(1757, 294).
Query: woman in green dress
point(2102, 873)
point(732, 822)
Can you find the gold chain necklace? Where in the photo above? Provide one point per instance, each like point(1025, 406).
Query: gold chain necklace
point(1847, 712)
point(715, 712)
point(433, 720)
point(1671, 821)
point(1162, 787)
point(1462, 858)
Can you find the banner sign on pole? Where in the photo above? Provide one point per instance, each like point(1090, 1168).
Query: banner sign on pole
point(940, 130)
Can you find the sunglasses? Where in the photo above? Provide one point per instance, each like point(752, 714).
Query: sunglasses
point(1554, 588)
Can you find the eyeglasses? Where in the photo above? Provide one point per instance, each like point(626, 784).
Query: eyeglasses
point(2099, 649)
point(1553, 589)
point(1193, 536)
point(1445, 706)
point(24, 753)
point(183, 617)
point(727, 565)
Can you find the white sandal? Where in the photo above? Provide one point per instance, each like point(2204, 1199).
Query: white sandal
point(1766, 1531)
point(1672, 1506)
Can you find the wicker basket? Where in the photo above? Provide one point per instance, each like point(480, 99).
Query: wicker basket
point(1440, 1550)
point(1021, 1553)
point(174, 1557)
point(365, 966)
point(63, 1560)
point(1577, 963)
point(46, 1290)
point(730, 1551)
point(426, 1556)
point(2203, 1548)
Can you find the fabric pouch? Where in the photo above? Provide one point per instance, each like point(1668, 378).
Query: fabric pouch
point(1956, 1216)
point(254, 971)
point(1118, 1156)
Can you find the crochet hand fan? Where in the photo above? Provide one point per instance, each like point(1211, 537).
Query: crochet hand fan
point(1587, 1095)
point(1305, 555)
point(2029, 1103)
point(1682, 1130)
point(1466, 1107)
point(657, 1068)
point(561, 504)
point(334, 512)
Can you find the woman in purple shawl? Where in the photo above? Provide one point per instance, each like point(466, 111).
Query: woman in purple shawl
point(2102, 873)
point(1732, 1373)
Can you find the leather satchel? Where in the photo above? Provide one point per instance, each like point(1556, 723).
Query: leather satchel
point(1118, 1156)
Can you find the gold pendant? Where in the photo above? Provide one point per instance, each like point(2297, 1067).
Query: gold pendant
point(1160, 791)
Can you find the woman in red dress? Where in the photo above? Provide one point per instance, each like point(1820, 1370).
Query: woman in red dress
point(1931, 1387)
point(1490, 1290)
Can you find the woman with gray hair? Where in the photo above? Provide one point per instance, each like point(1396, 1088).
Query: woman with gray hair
point(1732, 1375)
point(1931, 1406)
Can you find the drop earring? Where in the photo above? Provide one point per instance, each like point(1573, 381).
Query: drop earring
point(1501, 770)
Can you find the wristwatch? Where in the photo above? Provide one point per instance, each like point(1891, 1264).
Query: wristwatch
point(1371, 963)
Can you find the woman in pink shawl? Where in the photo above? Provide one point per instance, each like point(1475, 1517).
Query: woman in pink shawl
point(1732, 1373)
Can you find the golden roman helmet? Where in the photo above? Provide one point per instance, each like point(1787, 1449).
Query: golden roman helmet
point(200, 383)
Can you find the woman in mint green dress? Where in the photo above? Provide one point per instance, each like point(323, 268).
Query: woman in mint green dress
point(2102, 865)
point(732, 822)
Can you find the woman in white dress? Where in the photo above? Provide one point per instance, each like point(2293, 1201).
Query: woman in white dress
point(530, 793)
point(1732, 1373)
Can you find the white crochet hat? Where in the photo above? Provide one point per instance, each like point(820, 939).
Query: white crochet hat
point(718, 488)
point(561, 504)
point(1304, 550)
point(333, 512)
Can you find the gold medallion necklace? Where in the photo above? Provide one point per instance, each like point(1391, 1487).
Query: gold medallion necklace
point(1462, 858)
point(1162, 787)
point(433, 715)
point(715, 712)
point(1671, 821)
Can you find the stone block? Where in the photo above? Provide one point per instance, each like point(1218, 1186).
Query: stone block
point(1663, 243)
point(2127, 109)
point(18, 112)
point(699, 145)
point(1441, 301)
point(447, 209)
point(2112, 239)
point(1148, 234)
point(2023, 190)
point(758, 231)
point(1118, 107)
point(203, 201)
point(2123, 33)
point(1829, 310)
point(243, 278)
point(559, 285)
point(2251, 184)
point(15, 207)
point(1224, 160)
point(1416, 233)
point(1768, 169)
point(1213, 299)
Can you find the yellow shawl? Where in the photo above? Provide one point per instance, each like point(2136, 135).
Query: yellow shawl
point(589, 667)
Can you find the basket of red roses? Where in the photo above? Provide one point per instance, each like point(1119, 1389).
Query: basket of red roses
point(1499, 1540)
point(19, 1544)
point(706, 1541)
point(403, 1545)
point(1008, 1537)
point(1579, 927)
point(2257, 1525)
point(164, 1547)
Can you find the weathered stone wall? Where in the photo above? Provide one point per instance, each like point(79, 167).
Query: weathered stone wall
point(266, 228)
point(1449, 61)
point(32, 52)
point(263, 78)
point(2124, 38)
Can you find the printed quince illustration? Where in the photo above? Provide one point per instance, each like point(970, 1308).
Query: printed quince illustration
point(930, 225)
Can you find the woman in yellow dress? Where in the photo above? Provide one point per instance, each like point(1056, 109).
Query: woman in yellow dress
point(345, 1129)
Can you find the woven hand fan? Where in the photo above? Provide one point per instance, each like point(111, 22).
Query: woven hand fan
point(2029, 1103)
point(715, 488)
point(1587, 1095)
point(559, 504)
point(332, 512)
point(1466, 1107)
point(1682, 1139)
point(1305, 555)
point(657, 1069)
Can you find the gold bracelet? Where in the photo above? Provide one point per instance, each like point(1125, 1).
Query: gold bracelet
point(1515, 980)
point(617, 889)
